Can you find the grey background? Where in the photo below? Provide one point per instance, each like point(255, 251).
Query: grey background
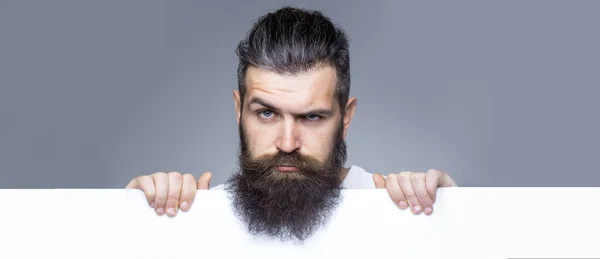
point(497, 93)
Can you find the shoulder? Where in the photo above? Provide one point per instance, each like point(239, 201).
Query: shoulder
point(218, 187)
point(358, 178)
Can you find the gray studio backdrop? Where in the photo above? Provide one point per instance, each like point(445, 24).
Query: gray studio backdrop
point(498, 93)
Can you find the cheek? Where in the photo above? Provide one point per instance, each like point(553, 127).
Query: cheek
point(318, 143)
point(258, 138)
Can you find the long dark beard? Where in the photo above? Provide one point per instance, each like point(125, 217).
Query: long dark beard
point(286, 205)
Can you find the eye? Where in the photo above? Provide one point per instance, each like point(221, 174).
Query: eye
point(313, 117)
point(266, 114)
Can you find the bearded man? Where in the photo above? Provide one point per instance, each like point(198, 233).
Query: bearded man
point(293, 109)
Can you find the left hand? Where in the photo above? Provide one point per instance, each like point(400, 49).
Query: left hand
point(414, 189)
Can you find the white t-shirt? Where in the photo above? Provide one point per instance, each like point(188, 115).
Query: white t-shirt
point(357, 178)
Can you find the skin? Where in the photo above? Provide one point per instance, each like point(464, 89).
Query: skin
point(288, 113)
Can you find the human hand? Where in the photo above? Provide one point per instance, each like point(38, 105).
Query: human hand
point(167, 192)
point(416, 190)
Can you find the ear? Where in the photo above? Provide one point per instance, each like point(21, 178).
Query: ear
point(238, 105)
point(349, 113)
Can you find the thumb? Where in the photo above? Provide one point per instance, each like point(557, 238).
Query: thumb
point(379, 180)
point(204, 181)
point(446, 180)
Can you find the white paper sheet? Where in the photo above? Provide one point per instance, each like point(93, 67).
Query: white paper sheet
point(466, 223)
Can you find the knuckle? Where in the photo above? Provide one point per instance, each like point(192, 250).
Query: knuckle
point(159, 175)
point(426, 203)
point(173, 203)
point(404, 178)
point(172, 200)
point(391, 177)
point(133, 184)
point(434, 176)
point(175, 190)
point(175, 176)
point(149, 192)
point(410, 194)
point(187, 195)
point(398, 198)
point(436, 172)
point(415, 177)
point(405, 173)
point(423, 197)
point(161, 200)
point(144, 178)
point(188, 178)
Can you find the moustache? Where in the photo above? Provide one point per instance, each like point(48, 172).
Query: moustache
point(269, 162)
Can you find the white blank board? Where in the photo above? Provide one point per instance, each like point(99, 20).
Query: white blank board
point(466, 223)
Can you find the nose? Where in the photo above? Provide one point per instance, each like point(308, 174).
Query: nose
point(288, 140)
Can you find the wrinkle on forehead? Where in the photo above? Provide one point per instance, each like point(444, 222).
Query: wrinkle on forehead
point(316, 86)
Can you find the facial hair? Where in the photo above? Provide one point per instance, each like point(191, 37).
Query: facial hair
point(286, 205)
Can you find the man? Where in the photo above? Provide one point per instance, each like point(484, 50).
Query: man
point(293, 111)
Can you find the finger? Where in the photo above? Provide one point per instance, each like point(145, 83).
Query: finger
point(161, 183)
point(145, 184)
point(418, 183)
point(404, 179)
point(174, 194)
point(395, 192)
point(445, 179)
point(188, 191)
point(379, 181)
point(204, 181)
point(432, 180)
point(132, 184)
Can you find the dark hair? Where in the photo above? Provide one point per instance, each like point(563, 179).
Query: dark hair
point(292, 41)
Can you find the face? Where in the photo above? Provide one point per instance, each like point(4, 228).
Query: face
point(291, 113)
point(292, 151)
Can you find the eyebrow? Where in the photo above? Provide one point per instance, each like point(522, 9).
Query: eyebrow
point(259, 101)
point(256, 100)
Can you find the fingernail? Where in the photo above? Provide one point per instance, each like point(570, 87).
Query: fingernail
point(152, 205)
point(402, 205)
point(171, 211)
point(160, 211)
point(428, 210)
point(417, 209)
point(184, 205)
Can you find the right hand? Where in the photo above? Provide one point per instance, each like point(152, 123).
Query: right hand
point(167, 192)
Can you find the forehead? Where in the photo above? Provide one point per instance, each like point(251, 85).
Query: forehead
point(315, 87)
